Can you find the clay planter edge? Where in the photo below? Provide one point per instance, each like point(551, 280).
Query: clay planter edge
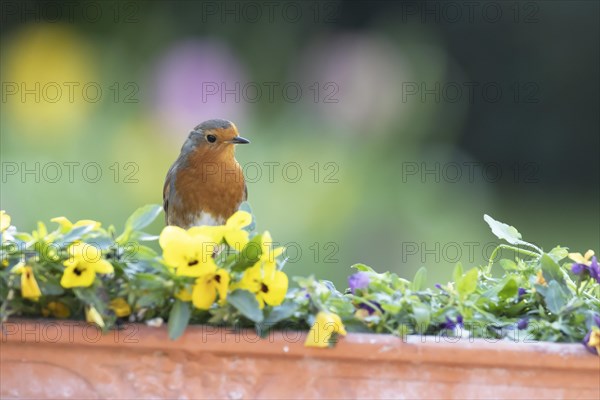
point(71, 359)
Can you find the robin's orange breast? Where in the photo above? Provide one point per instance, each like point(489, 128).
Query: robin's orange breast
point(209, 186)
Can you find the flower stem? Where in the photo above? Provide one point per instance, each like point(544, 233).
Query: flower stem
point(513, 248)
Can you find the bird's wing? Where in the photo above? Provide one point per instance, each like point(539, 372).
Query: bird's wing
point(167, 193)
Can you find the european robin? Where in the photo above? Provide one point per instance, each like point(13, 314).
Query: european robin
point(205, 185)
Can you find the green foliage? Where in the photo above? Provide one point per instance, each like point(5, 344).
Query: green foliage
point(536, 287)
point(536, 298)
point(179, 317)
point(246, 304)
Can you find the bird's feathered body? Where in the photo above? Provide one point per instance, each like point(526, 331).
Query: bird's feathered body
point(205, 185)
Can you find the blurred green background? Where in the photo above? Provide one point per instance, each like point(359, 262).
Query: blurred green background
point(407, 121)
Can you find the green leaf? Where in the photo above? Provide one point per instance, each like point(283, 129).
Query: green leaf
point(458, 272)
point(102, 242)
point(142, 217)
point(355, 326)
point(51, 288)
point(23, 236)
point(89, 296)
point(179, 317)
point(76, 233)
point(508, 265)
point(503, 231)
point(555, 297)
point(249, 255)
point(362, 267)
point(145, 252)
point(143, 236)
point(151, 299)
point(551, 270)
point(148, 281)
point(280, 313)
point(468, 282)
point(509, 290)
point(419, 280)
point(508, 233)
point(422, 316)
point(558, 253)
point(245, 302)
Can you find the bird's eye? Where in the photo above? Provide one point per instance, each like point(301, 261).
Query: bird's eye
point(211, 138)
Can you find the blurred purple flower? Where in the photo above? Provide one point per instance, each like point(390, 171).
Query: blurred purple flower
point(352, 71)
point(593, 345)
point(577, 269)
point(359, 280)
point(522, 292)
point(438, 286)
point(450, 324)
point(522, 323)
point(370, 309)
point(191, 80)
point(595, 269)
point(582, 269)
point(586, 341)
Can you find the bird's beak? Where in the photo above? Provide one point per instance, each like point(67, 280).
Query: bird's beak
point(239, 140)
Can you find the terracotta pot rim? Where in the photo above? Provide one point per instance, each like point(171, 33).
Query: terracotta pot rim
point(355, 346)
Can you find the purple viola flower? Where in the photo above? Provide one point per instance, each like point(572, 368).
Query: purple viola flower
point(359, 280)
point(578, 269)
point(370, 309)
point(522, 323)
point(594, 269)
point(522, 292)
point(593, 346)
point(585, 342)
point(438, 286)
point(450, 324)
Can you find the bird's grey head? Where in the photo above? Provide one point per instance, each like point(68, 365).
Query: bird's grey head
point(213, 124)
point(198, 134)
point(215, 135)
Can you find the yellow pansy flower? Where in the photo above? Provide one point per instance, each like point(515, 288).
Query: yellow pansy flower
point(120, 307)
point(84, 262)
point(29, 286)
point(41, 232)
point(65, 225)
point(208, 286)
point(594, 341)
point(56, 309)
point(585, 259)
point(233, 231)
point(184, 294)
point(190, 254)
point(267, 283)
point(268, 254)
point(93, 316)
point(326, 324)
point(4, 221)
point(540, 280)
